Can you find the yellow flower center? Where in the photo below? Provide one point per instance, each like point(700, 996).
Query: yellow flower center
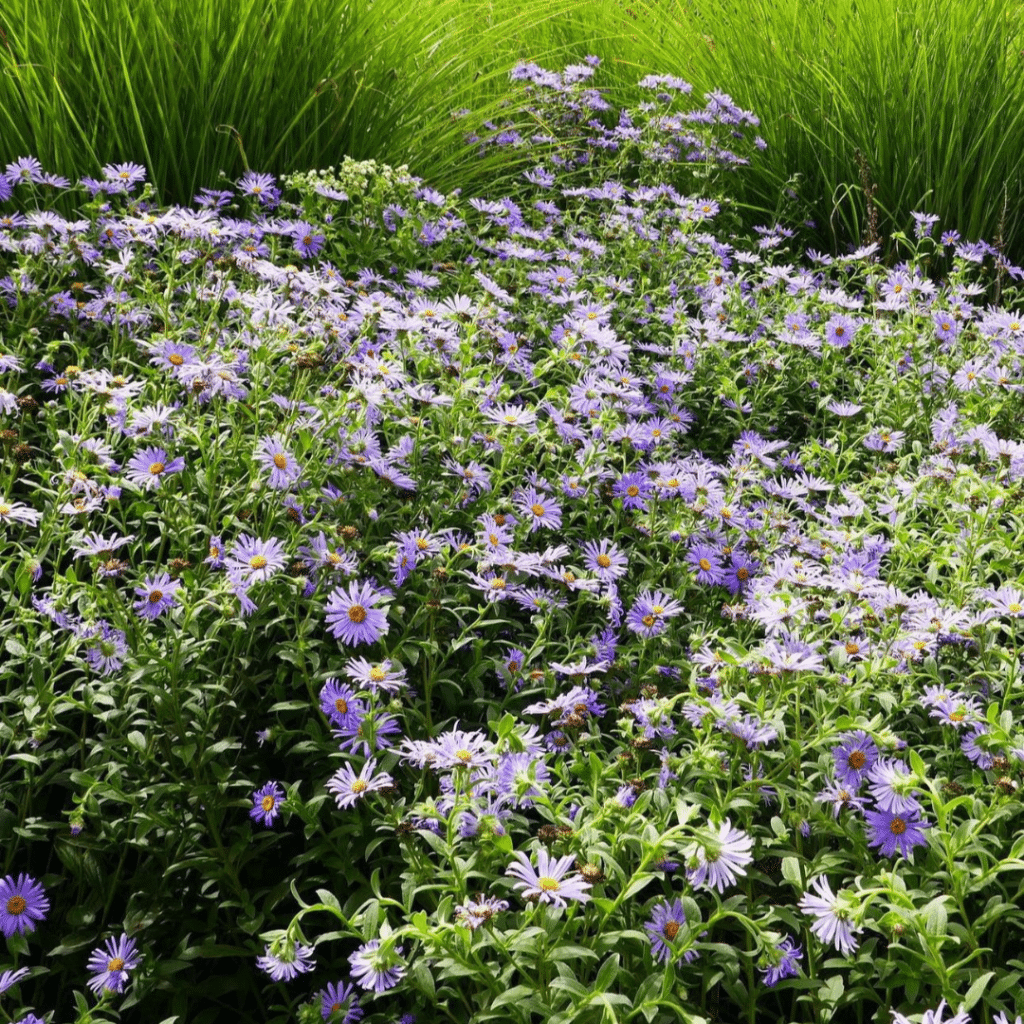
point(268, 803)
point(604, 561)
point(537, 510)
point(257, 562)
point(342, 706)
point(5, 510)
point(175, 360)
point(357, 613)
point(358, 786)
point(648, 621)
point(632, 490)
point(377, 674)
point(549, 884)
point(156, 597)
point(1015, 609)
point(464, 756)
point(704, 564)
point(852, 648)
point(156, 468)
point(280, 461)
point(117, 964)
point(16, 905)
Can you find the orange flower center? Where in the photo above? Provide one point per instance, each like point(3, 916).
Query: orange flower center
point(280, 461)
point(156, 597)
point(857, 759)
point(357, 613)
point(156, 468)
point(704, 564)
point(898, 826)
point(268, 803)
point(604, 561)
point(16, 905)
point(671, 929)
point(117, 964)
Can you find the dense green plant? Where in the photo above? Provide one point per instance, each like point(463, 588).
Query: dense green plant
point(580, 611)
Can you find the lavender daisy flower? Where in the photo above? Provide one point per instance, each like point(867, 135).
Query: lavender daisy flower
point(156, 595)
point(937, 1015)
point(108, 654)
point(376, 676)
point(854, 757)
point(9, 978)
point(706, 563)
point(306, 240)
point(279, 462)
point(22, 903)
point(892, 786)
point(376, 968)
point(16, 512)
point(832, 915)
point(783, 962)
point(286, 959)
point(666, 920)
point(353, 616)
point(549, 882)
point(252, 560)
point(474, 913)
point(340, 998)
point(110, 964)
point(889, 831)
point(266, 804)
point(538, 509)
point(649, 612)
point(341, 705)
point(349, 788)
point(148, 467)
point(720, 860)
point(604, 560)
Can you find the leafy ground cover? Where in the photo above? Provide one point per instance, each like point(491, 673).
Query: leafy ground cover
point(557, 605)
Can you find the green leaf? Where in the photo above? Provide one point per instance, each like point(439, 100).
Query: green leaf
point(607, 974)
point(975, 992)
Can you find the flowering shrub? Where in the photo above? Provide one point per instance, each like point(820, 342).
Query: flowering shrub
point(581, 614)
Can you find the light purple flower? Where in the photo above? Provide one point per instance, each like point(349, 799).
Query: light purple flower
point(10, 978)
point(156, 595)
point(353, 616)
point(110, 964)
point(783, 963)
point(832, 916)
point(550, 881)
point(266, 804)
point(16, 512)
point(666, 920)
point(721, 858)
point(22, 903)
point(279, 462)
point(349, 788)
point(891, 832)
point(148, 467)
point(286, 959)
point(252, 560)
point(376, 968)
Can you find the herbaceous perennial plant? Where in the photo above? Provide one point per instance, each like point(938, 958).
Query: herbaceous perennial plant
point(543, 619)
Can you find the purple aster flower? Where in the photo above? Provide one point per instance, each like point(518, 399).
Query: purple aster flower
point(341, 705)
point(279, 462)
point(783, 962)
point(937, 1016)
point(376, 675)
point(156, 595)
point(215, 558)
point(891, 786)
point(923, 223)
point(604, 560)
point(252, 560)
point(148, 467)
point(22, 903)
point(549, 882)
point(286, 959)
point(349, 788)
point(9, 978)
point(306, 240)
point(266, 804)
point(721, 858)
point(538, 509)
point(839, 331)
point(706, 563)
point(261, 186)
point(30, 1018)
point(571, 708)
point(889, 831)
point(840, 796)
point(649, 612)
point(832, 915)
point(376, 968)
point(353, 616)
point(666, 920)
point(854, 757)
point(340, 998)
point(634, 489)
point(16, 512)
point(110, 964)
point(887, 441)
point(474, 913)
point(372, 733)
point(108, 654)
